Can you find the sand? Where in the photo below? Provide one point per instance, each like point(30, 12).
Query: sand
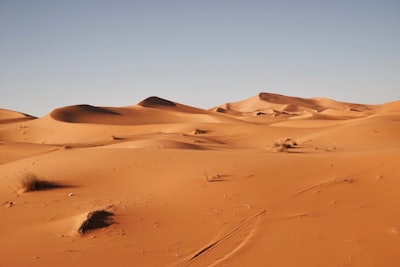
point(268, 181)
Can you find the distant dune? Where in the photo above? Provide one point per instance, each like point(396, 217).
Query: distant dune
point(271, 180)
point(7, 116)
point(274, 104)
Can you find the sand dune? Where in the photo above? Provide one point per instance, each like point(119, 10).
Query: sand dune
point(268, 181)
point(7, 116)
point(152, 110)
point(274, 104)
point(156, 102)
point(392, 107)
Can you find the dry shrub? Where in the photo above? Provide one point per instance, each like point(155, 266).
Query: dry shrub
point(199, 131)
point(285, 144)
point(95, 220)
point(30, 182)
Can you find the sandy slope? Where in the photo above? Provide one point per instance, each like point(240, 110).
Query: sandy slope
point(7, 116)
point(193, 187)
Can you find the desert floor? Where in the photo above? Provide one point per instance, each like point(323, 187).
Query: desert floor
point(268, 181)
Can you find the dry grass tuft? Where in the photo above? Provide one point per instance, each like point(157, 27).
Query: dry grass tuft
point(30, 182)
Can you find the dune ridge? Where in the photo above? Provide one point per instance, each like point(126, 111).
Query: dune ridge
point(8, 116)
point(268, 181)
point(154, 101)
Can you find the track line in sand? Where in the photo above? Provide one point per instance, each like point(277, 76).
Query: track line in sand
point(251, 220)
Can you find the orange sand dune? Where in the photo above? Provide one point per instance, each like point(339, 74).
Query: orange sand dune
point(274, 104)
point(7, 116)
point(148, 111)
point(392, 107)
point(156, 102)
point(268, 181)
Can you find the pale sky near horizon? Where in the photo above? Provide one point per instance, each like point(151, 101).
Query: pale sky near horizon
point(202, 53)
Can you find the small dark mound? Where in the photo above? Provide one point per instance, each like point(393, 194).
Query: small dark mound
point(156, 101)
point(95, 220)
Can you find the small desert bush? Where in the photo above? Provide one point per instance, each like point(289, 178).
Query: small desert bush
point(199, 131)
point(284, 145)
point(95, 220)
point(30, 182)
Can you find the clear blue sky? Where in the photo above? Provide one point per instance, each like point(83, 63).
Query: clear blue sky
point(198, 52)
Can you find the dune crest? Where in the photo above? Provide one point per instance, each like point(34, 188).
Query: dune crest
point(391, 107)
point(163, 104)
point(155, 101)
point(80, 113)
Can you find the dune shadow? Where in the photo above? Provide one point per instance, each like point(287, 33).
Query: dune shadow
point(156, 101)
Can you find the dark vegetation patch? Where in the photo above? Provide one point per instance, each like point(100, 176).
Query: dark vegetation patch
point(95, 220)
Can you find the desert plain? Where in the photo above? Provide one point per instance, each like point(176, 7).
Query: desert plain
point(271, 180)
